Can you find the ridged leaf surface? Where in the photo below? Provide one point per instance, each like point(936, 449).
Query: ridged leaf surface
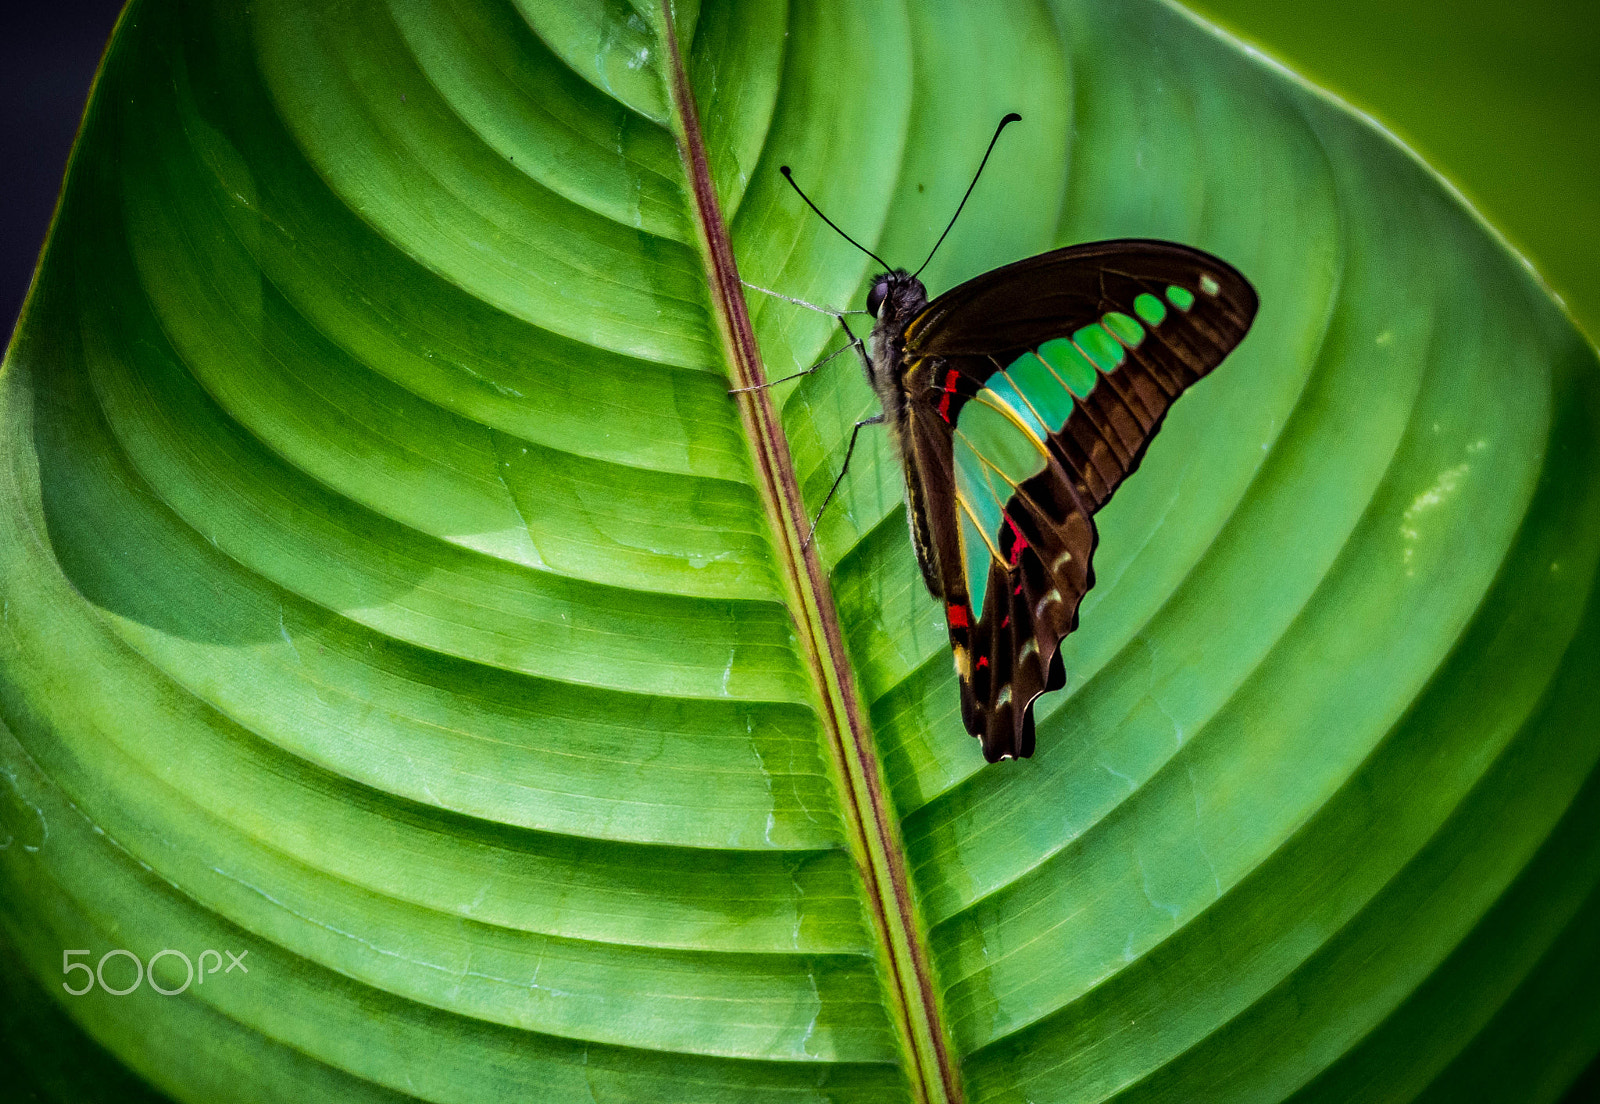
point(388, 590)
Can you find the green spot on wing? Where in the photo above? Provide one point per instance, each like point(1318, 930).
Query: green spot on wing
point(1180, 298)
point(1100, 347)
point(1149, 308)
point(1209, 286)
point(1125, 329)
point(1070, 364)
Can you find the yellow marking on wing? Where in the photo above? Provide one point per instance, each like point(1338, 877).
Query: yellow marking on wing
point(915, 325)
point(1005, 411)
point(976, 524)
point(1024, 397)
point(993, 492)
point(1016, 489)
point(988, 463)
point(963, 661)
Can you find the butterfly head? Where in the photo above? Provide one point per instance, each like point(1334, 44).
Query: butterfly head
point(896, 297)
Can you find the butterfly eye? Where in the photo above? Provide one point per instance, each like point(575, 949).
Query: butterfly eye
point(875, 297)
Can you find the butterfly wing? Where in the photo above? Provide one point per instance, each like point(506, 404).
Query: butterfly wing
point(1032, 393)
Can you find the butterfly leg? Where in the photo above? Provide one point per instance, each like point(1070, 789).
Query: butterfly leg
point(796, 375)
point(876, 419)
point(799, 302)
point(859, 346)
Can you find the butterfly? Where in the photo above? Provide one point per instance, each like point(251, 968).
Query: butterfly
point(1019, 402)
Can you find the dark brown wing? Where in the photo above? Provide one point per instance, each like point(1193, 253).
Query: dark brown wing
point(1072, 359)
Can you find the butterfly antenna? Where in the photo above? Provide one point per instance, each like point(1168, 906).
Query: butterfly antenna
point(789, 176)
point(1011, 117)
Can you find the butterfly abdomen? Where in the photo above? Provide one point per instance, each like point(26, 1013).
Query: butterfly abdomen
point(917, 507)
point(885, 372)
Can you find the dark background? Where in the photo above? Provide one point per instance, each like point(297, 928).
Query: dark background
point(48, 54)
point(1503, 97)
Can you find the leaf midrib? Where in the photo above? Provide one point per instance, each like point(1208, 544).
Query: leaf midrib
point(871, 828)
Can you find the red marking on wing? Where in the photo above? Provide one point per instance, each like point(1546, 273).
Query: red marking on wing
point(983, 661)
point(1018, 543)
point(958, 616)
point(949, 389)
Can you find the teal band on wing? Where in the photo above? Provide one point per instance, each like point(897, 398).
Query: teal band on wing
point(998, 444)
point(999, 439)
point(976, 484)
point(1001, 432)
point(976, 554)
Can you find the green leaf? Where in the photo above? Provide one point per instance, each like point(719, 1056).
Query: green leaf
point(391, 591)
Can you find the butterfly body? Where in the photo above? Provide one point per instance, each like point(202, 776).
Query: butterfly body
point(902, 298)
point(1019, 401)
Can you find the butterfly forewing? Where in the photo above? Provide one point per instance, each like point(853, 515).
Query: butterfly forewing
point(1032, 392)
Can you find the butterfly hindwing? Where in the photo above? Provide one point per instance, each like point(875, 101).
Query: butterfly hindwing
point(1032, 392)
